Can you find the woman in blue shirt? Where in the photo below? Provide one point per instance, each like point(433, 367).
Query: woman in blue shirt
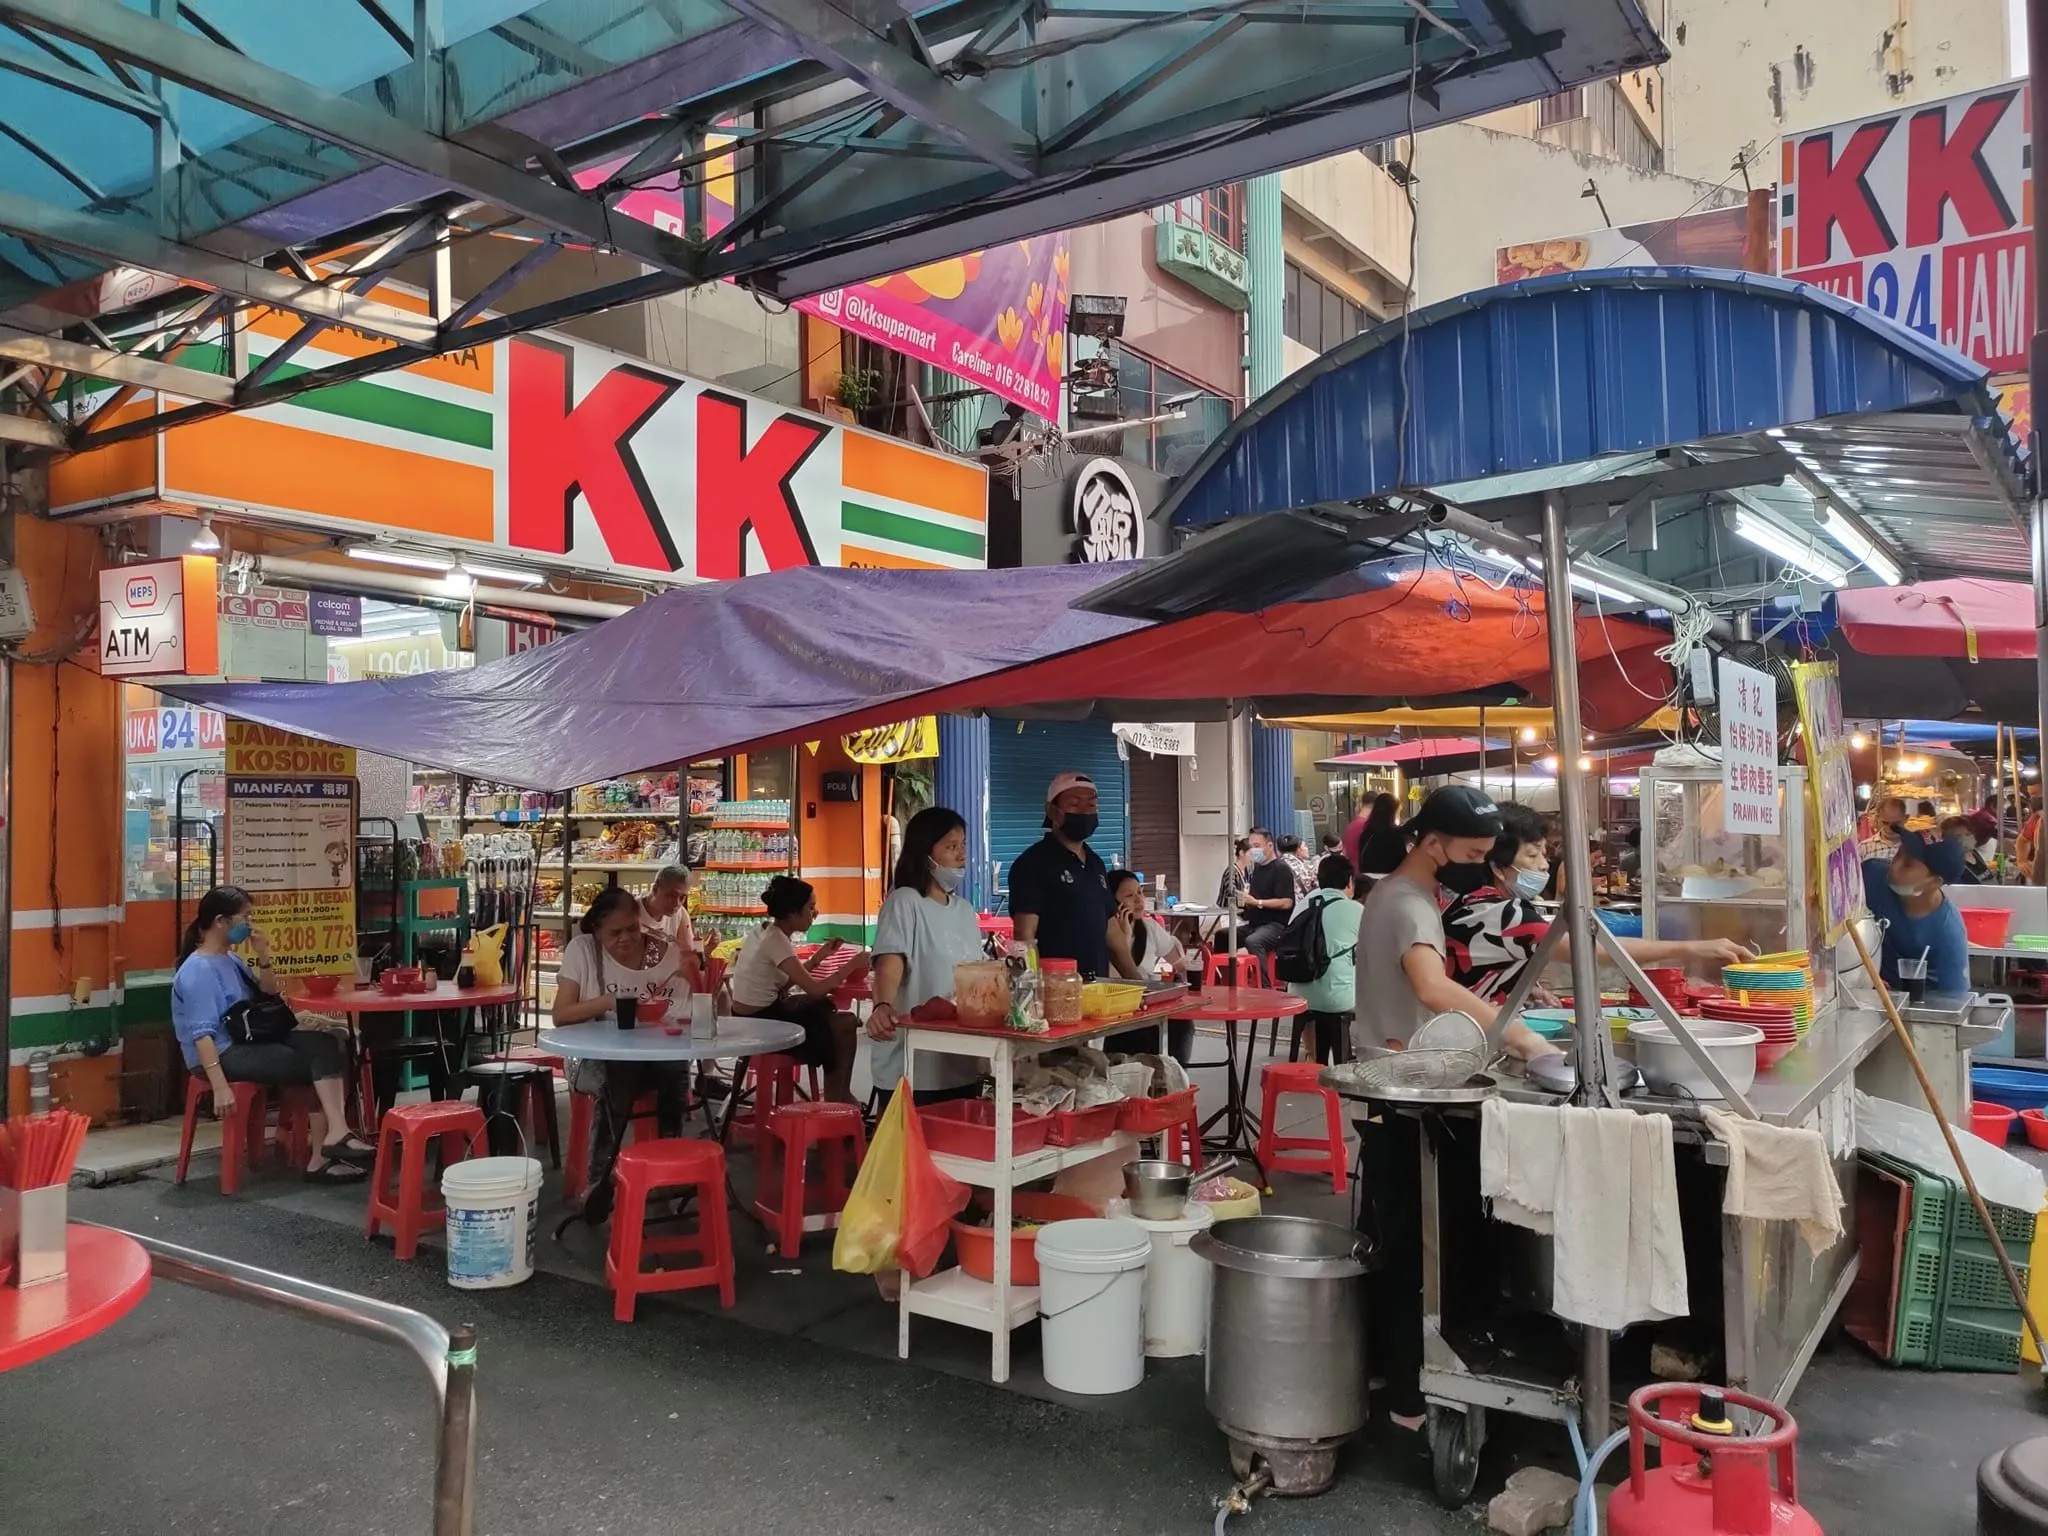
point(1919, 918)
point(211, 980)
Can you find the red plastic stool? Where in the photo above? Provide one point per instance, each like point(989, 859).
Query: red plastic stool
point(1243, 966)
point(241, 1130)
point(1315, 1155)
point(669, 1164)
point(1184, 1141)
point(582, 1128)
point(774, 1080)
point(804, 1204)
point(295, 1109)
point(402, 1140)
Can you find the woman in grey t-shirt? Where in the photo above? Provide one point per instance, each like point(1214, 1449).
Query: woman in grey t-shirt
point(926, 928)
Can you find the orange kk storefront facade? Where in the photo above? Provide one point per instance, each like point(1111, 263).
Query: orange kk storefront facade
point(541, 455)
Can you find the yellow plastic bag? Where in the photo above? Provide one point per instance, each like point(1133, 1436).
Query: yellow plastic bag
point(487, 955)
point(873, 1217)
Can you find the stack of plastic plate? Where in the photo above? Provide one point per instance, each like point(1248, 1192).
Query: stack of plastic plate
point(1775, 980)
point(1778, 1021)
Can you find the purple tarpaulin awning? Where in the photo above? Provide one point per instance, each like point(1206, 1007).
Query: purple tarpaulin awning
point(806, 654)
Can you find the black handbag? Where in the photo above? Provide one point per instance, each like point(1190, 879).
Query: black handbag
point(261, 1018)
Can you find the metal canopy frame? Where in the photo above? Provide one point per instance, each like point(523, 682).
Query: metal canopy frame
point(258, 152)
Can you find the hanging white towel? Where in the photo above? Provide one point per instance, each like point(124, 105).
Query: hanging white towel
point(1604, 1183)
point(1780, 1173)
point(1518, 1151)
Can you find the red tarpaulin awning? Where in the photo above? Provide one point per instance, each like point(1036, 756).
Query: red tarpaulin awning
point(1965, 616)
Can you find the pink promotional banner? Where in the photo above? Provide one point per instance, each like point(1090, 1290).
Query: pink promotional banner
point(996, 318)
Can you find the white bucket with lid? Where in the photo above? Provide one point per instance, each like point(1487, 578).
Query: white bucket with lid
point(1176, 1285)
point(493, 1218)
point(1091, 1304)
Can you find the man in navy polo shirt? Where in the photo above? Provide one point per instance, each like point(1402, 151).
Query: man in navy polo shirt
point(1059, 886)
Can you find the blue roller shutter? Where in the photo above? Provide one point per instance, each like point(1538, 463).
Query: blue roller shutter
point(1023, 757)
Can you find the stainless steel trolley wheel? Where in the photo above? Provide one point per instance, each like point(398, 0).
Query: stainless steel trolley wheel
point(1454, 1441)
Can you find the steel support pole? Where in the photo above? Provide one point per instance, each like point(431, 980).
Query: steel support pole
point(2037, 382)
point(1560, 614)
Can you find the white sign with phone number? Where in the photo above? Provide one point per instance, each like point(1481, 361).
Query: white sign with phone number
point(1749, 749)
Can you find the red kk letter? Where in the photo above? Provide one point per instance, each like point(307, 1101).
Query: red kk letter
point(1943, 171)
point(557, 450)
point(1832, 193)
point(739, 489)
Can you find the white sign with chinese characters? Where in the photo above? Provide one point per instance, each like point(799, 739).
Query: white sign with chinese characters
point(1749, 749)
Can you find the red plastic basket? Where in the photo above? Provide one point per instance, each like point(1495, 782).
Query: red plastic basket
point(968, 1129)
point(1987, 926)
point(1148, 1117)
point(1076, 1127)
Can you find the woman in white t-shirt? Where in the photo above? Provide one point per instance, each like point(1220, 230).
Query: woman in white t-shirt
point(613, 957)
point(926, 928)
point(768, 979)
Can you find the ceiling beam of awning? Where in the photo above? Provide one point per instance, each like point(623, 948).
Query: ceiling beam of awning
point(89, 234)
point(908, 84)
point(118, 367)
point(116, 32)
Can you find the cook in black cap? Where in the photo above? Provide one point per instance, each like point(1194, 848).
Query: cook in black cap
point(1404, 978)
point(1908, 894)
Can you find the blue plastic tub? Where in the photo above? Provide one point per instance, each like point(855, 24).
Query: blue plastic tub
point(2014, 1087)
point(1623, 925)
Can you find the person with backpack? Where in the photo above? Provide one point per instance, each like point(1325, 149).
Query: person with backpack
point(1318, 961)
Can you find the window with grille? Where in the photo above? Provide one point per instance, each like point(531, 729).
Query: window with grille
point(1565, 107)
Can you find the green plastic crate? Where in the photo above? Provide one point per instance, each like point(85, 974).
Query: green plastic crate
point(1978, 1339)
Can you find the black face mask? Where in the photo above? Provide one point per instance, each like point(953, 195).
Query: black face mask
point(1464, 879)
point(1078, 827)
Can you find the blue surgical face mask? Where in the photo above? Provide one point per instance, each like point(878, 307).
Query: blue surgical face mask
point(947, 878)
point(239, 932)
point(1530, 882)
point(1258, 854)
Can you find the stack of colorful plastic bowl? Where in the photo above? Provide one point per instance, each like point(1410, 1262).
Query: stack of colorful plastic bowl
point(1777, 1020)
point(1776, 981)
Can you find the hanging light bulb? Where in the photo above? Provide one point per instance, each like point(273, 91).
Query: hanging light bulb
point(459, 582)
point(205, 541)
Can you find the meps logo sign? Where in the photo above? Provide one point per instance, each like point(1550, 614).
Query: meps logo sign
point(141, 591)
point(1920, 214)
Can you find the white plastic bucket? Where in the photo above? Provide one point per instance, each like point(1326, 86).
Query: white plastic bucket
point(1091, 1299)
point(493, 1215)
point(1176, 1286)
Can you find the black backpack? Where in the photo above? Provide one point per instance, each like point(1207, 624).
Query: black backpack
point(1304, 952)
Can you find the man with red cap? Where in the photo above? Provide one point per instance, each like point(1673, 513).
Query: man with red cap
point(1059, 886)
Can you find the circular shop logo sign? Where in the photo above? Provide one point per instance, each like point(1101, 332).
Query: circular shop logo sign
point(1109, 524)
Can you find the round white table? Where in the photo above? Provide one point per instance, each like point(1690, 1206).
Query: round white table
point(603, 1040)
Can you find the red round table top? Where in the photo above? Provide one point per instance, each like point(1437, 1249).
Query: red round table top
point(1220, 1005)
point(353, 999)
point(107, 1273)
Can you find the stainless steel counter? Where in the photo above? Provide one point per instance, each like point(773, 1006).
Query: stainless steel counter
point(1785, 1094)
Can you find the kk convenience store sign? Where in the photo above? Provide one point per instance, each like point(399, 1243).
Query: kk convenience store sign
point(1923, 214)
point(569, 455)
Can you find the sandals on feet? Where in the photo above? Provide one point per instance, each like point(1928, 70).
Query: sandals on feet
point(349, 1149)
point(333, 1171)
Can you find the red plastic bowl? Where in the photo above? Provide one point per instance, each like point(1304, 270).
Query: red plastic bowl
point(976, 1246)
point(320, 986)
point(1770, 1052)
point(2035, 1124)
point(651, 1009)
point(1993, 1122)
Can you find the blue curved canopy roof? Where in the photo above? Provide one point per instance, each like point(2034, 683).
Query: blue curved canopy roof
point(1602, 369)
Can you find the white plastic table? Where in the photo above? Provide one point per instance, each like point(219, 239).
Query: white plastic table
point(603, 1040)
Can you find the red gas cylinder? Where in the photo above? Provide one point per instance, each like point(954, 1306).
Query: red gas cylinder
point(1712, 1481)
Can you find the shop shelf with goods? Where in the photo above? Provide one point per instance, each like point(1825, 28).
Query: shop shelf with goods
point(746, 844)
point(1702, 881)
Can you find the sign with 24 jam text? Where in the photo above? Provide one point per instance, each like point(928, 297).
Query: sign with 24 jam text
point(1749, 749)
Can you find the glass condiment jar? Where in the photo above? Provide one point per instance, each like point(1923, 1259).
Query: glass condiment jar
point(1060, 989)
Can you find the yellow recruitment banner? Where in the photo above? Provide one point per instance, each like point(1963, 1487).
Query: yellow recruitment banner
point(291, 844)
point(264, 751)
